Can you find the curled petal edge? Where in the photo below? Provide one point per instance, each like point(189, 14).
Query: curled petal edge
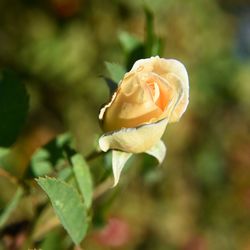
point(134, 140)
point(119, 160)
point(158, 151)
point(179, 75)
point(182, 101)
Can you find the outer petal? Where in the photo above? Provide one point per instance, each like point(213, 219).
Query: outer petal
point(178, 77)
point(132, 106)
point(119, 160)
point(181, 97)
point(158, 151)
point(148, 63)
point(134, 140)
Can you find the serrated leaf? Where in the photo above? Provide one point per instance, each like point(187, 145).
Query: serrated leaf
point(83, 178)
point(14, 104)
point(68, 206)
point(158, 151)
point(119, 160)
point(116, 71)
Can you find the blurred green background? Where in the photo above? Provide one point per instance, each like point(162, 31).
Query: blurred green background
point(200, 198)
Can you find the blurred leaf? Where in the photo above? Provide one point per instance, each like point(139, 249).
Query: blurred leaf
point(68, 151)
point(68, 206)
point(41, 168)
point(65, 173)
point(40, 163)
point(14, 105)
point(128, 41)
point(112, 85)
point(83, 177)
point(50, 157)
point(152, 176)
point(63, 139)
point(53, 241)
point(45, 223)
point(210, 166)
point(11, 207)
point(136, 54)
point(55, 152)
point(57, 146)
point(116, 71)
point(4, 151)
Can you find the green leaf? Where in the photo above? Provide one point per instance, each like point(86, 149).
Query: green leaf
point(116, 71)
point(11, 207)
point(4, 151)
point(40, 164)
point(65, 173)
point(63, 139)
point(83, 178)
point(112, 85)
point(128, 41)
point(53, 241)
point(136, 54)
point(14, 104)
point(57, 146)
point(68, 206)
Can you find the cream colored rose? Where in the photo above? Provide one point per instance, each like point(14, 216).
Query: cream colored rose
point(155, 89)
point(153, 93)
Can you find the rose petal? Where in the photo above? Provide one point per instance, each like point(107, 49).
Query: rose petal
point(103, 109)
point(131, 106)
point(119, 160)
point(158, 151)
point(183, 97)
point(167, 69)
point(134, 140)
point(177, 105)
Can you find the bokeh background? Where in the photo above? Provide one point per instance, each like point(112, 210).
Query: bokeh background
point(200, 198)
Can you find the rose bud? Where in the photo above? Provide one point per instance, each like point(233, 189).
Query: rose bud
point(154, 92)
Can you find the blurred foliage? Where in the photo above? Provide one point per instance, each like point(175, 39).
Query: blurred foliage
point(199, 199)
point(14, 107)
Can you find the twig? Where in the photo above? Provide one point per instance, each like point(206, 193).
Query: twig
point(103, 187)
point(93, 155)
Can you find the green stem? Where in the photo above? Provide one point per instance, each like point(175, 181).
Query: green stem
point(93, 155)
